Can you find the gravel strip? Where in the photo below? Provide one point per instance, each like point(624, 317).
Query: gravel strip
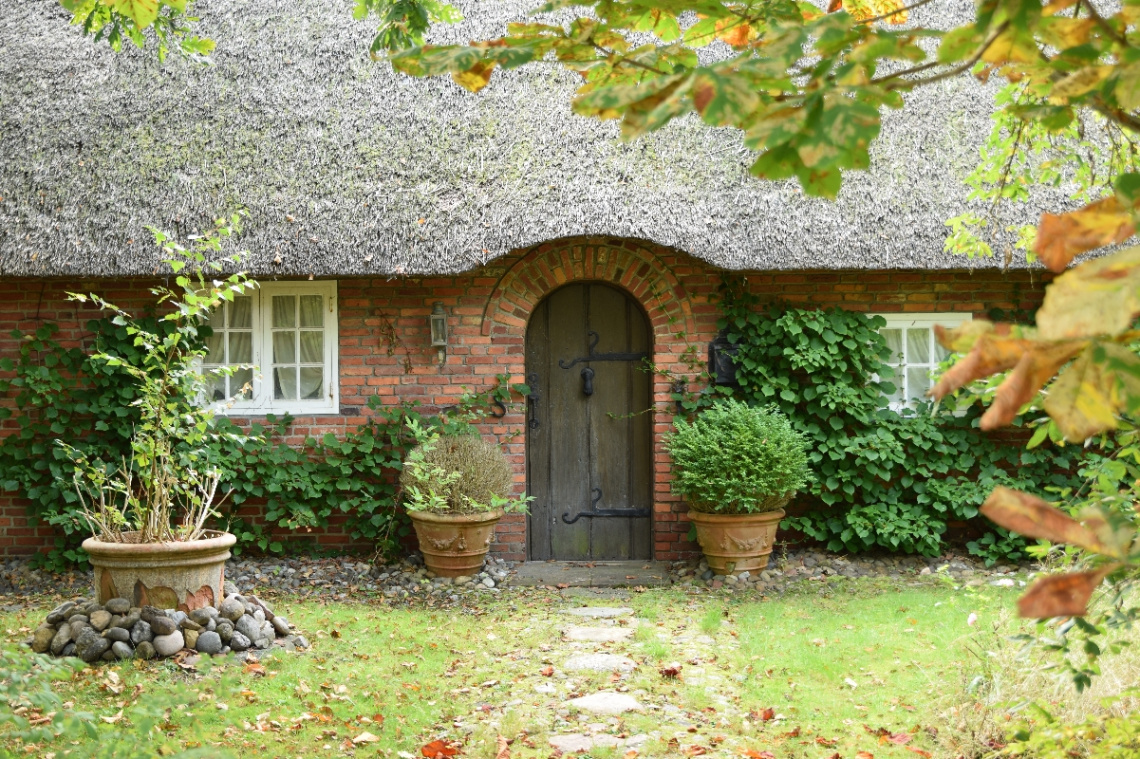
point(347, 578)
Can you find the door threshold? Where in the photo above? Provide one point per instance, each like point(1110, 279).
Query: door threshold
point(592, 574)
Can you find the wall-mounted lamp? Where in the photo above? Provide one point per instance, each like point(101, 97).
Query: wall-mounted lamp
point(438, 323)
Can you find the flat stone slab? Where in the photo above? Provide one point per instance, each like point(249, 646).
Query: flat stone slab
point(600, 663)
point(600, 574)
point(606, 703)
point(597, 634)
point(576, 743)
point(600, 612)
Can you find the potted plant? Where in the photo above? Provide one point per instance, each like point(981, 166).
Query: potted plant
point(149, 512)
point(737, 466)
point(457, 486)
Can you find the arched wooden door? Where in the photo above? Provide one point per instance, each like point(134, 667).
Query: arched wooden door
point(589, 462)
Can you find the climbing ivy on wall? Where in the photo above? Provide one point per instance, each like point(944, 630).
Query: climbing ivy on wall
point(883, 479)
point(61, 393)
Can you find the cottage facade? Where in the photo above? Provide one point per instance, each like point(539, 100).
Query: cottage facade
point(557, 254)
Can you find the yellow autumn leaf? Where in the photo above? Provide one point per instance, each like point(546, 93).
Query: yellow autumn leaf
point(474, 78)
point(1088, 397)
point(1099, 297)
point(1078, 83)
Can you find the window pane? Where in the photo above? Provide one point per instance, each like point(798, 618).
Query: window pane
point(285, 383)
point(216, 387)
point(241, 384)
point(216, 347)
point(284, 347)
point(311, 384)
point(241, 347)
point(217, 320)
point(284, 311)
point(917, 382)
point(918, 345)
point(311, 306)
point(241, 312)
point(894, 342)
point(312, 347)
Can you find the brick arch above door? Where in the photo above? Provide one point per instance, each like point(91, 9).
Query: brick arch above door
point(629, 264)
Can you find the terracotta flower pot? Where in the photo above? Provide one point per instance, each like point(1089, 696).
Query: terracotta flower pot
point(186, 576)
point(735, 543)
point(455, 544)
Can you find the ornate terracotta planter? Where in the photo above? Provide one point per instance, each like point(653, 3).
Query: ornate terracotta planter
point(735, 543)
point(455, 544)
point(184, 576)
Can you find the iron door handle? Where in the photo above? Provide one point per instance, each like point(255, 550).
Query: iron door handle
point(587, 381)
point(533, 399)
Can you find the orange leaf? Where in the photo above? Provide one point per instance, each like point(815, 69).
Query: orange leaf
point(993, 348)
point(828, 742)
point(835, 5)
point(438, 748)
point(546, 671)
point(766, 714)
point(1063, 237)
point(1040, 362)
point(754, 754)
point(899, 738)
point(1032, 517)
point(864, 755)
point(695, 750)
point(920, 752)
point(1065, 595)
point(502, 748)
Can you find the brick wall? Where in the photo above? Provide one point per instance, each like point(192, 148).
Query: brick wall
point(384, 341)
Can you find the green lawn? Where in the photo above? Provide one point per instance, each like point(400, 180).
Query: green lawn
point(841, 666)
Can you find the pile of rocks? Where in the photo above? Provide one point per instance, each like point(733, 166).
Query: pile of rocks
point(116, 630)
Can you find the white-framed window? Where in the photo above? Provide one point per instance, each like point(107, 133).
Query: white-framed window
point(287, 331)
point(915, 353)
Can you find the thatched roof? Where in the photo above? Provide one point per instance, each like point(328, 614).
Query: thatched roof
point(349, 168)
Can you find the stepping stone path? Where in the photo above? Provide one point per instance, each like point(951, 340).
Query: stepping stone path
point(597, 634)
point(608, 703)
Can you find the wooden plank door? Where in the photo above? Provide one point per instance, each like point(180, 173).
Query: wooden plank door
point(588, 454)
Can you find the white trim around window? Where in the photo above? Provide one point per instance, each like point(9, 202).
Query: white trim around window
point(288, 332)
point(915, 352)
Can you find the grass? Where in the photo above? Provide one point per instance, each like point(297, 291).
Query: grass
point(842, 665)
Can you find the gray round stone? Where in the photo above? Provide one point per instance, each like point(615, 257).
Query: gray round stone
point(301, 641)
point(117, 633)
point(249, 627)
point(61, 639)
point(118, 606)
point(68, 650)
point(201, 617)
point(169, 645)
point(239, 642)
point(232, 608)
point(42, 638)
point(121, 650)
point(225, 629)
point(145, 650)
point(209, 643)
point(141, 632)
point(91, 646)
point(163, 626)
point(60, 613)
point(281, 625)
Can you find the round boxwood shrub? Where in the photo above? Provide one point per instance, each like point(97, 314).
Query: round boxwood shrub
point(737, 459)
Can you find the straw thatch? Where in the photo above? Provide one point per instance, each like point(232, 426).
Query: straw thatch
point(349, 168)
